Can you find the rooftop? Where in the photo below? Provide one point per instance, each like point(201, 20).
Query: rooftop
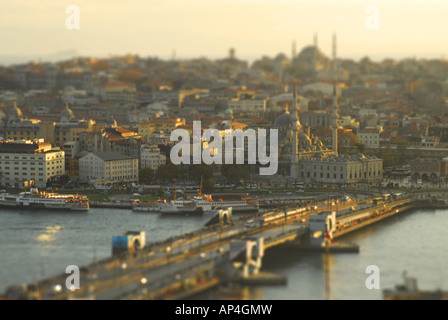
point(110, 156)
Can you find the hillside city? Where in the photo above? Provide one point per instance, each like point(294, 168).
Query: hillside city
point(91, 123)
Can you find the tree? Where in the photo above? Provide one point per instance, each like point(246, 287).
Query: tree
point(360, 146)
point(199, 170)
point(145, 175)
point(235, 172)
point(168, 172)
point(402, 148)
point(209, 185)
point(388, 157)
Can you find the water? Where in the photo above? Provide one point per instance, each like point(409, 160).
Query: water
point(38, 244)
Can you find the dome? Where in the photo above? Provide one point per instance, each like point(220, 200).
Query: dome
point(283, 120)
point(67, 114)
point(311, 52)
point(15, 112)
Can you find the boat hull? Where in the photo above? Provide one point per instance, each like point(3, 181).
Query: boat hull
point(42, 207)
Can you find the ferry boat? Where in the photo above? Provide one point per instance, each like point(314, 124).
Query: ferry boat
point(204, 202)
point(34, 199)
point(199, 205)
point(243, 205)
point(151, 206)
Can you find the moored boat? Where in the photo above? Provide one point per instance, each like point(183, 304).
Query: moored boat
point(34, 199)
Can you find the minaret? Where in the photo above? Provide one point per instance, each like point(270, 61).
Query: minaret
point(333, 56)
point(293, 50)
point(334, 47)
point(294, 141)
point(334, 108)
point(315, 40)
point(334, 118)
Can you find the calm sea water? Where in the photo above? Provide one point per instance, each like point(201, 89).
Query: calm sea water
point(35, 244)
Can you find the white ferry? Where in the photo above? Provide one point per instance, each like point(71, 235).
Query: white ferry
point(151, 206)
point(243, 205)
point(204, 202)
point(201, 204)
point(34, 199)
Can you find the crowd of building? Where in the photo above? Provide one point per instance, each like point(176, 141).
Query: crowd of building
point(340, 122)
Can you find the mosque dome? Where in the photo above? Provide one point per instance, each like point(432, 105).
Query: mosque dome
point(283, 120)
point(15, 112)
point(67, 114)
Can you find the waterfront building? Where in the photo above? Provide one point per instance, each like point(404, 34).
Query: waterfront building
point(108, 168)
point(22, 161)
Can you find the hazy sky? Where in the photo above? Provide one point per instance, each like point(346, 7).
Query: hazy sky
point(210, 27)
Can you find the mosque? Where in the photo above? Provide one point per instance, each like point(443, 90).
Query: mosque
point(303, 157)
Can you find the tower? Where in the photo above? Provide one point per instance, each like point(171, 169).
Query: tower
point(334, 47)
point(232, 53)
point(334, 118)
point(334, 108)
point(315, 40)
point(333, 56)
point(293, 50)
point(295, 123)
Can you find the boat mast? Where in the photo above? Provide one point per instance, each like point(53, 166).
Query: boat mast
point(200, 190)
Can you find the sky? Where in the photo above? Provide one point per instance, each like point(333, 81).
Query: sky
point(209, 28)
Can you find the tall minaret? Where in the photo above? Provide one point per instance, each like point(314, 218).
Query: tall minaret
point(315, 40)
point(334, 118)
point(295, 123)
point(334, 108)
point(334, 47)
point(333, 56)
point(294, 50)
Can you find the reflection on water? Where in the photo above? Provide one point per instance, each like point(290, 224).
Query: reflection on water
point(48, 236)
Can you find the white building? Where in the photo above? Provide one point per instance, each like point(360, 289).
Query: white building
point(108, 168)
point(367, 113)
point(23, 161)
point(370, 137)
point(150, 157)
point(248, 106)
point(342, 169)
